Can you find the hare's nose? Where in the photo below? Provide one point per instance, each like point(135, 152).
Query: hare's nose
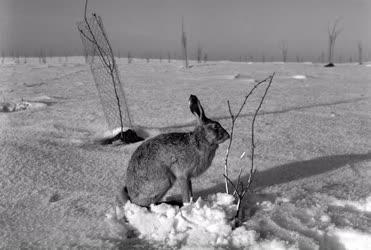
point(227, 136)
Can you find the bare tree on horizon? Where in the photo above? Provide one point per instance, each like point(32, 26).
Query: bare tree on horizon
point(333, 33)
point(205, 58)
point(284, 50)
point(184, 45)
point(130, 59)
point(359, 46)
point(199, 53)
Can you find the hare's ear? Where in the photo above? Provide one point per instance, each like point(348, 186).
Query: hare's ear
point(196, 108)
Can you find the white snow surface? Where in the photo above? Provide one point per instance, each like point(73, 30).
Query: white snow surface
point(363, 205)
point(204, 223)
point(314, 164)
point(299, 77)
point(347, 239)
point(210, 223)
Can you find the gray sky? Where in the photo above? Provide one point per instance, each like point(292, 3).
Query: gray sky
point(224, 28)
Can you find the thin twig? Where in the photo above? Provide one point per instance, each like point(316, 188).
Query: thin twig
point(248, 95)
point(233, 121)
point(252, 169)
point(239, 189)
point(100, 24)
point(107, 59)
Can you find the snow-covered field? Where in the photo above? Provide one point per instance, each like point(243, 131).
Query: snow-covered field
point(313, 188)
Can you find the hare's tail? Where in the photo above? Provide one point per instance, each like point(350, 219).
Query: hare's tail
point(123, 196)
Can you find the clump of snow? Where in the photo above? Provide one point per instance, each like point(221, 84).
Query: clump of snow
point(368, 65)
point(13, 107)
point(346, 239)
point(244, 77)
point(38, 98)
point(142, 132)
point(361, 205)
point(204, 223)
point(300, 77)
point(325, 218)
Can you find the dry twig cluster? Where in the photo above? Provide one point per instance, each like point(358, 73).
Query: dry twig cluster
point(105, 54)
point(239, 187)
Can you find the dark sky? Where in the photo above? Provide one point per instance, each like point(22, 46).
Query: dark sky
point(224, 28)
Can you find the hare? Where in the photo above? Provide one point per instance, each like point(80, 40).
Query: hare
point(158, 162)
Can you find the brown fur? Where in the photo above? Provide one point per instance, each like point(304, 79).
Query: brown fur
point(159, 162)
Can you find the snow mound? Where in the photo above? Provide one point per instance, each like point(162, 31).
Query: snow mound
point(346, 239)
point(13, 107)
point(368, 65)
point(142, 132)
point(244, 77)
point(38, 98)
point(201, 224)
point(362, 205)
point(299, 77)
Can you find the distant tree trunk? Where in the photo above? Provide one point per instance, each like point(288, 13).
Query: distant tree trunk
point(168, 57)
point(42, 57)
point(129, 57)
point(184, 46)
point(16, 60)
point(360, 61)
point(205, 58)
point(332, 35)
point(199, 54)
point(284, 50)
point(2, 56)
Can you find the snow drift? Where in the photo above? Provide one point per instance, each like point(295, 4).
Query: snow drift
point(204, 223)
point(210, 223)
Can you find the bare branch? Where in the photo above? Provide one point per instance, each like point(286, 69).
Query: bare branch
point(230, 182)
point(333, 33)
point(184, 45)
point(252, 169)
point(249, 94)
point(233, 120)
point(239, 189)
point(106, 57)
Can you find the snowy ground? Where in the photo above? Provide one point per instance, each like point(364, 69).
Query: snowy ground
point(313, 152)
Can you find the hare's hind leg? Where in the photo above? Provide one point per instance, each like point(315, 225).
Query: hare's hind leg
point(153, 191)
point(186, 188)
